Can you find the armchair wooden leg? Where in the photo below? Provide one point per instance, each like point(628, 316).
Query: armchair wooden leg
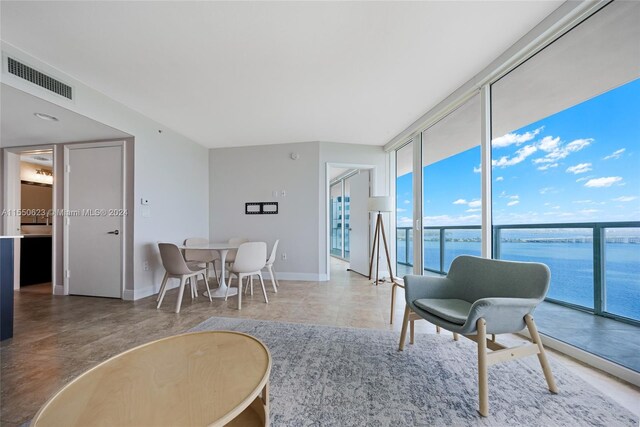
point(437, 329)
point(412, 329)
point(405, 322)
point(542, 356)
point(456, 337)
point(483, 384)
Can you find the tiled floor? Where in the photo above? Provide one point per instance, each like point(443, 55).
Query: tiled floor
point(58, 337)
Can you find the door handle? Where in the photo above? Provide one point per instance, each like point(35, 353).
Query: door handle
point(116, 232)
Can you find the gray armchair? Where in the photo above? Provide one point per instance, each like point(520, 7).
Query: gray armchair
point(478, 297)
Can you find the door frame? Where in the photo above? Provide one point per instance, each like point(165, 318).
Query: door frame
point(9, 181)
point(123, 227)
point(373, 170)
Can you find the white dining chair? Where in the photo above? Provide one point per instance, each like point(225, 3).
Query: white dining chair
point(176, 267)
point(269, 266)
point(249, 262)
point(200, 257)
point(231, 255)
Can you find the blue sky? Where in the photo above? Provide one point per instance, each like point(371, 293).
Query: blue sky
point(581, 164)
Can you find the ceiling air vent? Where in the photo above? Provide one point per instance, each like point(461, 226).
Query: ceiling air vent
point(36, 77)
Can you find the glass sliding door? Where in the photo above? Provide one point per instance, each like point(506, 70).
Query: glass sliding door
point(566, 163)
point(452, 188)
point(339, 218)
point(404, 210)
point(336, 219)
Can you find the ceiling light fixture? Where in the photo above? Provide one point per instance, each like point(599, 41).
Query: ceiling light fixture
point(47, 117)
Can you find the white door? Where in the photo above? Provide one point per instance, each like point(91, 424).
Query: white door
point(359, 223)
point(94, 228)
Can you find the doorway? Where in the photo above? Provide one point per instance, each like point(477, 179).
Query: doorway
point(30, 202)
point(348, 221)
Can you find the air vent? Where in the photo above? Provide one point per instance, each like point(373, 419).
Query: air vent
point(36, 77)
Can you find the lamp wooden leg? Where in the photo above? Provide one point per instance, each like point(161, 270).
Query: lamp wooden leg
point(373, 250)
point(405, 322)
point(542, 356)
point(386, 249)
point(483, 385)
point(393, 301)
point(379, 222)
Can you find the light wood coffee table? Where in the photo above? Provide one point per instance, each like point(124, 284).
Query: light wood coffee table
point(197, 379)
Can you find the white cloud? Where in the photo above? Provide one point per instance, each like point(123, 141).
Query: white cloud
point(579, 168)
point(473, 210)
point(519, 157)
point(475, 203)
point(460, 202)
point(582, 201)
point(400, 210)
point(588, 211)
point(500, 178)
point(477, 169)
point(405, 221)
point(514, 138)
point(549, 143)
point(584, 178)
point(602, 182)
point(516, 197)
point(557, 151)
point(547, 190)
point(547, 166)
point(624, 199)
point(406, 202)
point(513, 202)
point(616, 154)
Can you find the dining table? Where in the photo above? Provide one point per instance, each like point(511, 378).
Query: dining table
point(223, 249)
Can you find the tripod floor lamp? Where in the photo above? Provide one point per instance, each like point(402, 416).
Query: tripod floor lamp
point(379, 204)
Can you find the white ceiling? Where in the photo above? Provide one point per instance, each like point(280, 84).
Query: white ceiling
point(19, 126)
point(247, 73)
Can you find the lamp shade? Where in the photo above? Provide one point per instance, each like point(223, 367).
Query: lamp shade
point(380, 204)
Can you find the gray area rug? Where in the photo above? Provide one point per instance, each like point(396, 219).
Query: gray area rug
point(329, 376)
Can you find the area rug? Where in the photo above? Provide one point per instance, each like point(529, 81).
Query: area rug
point(329, 376)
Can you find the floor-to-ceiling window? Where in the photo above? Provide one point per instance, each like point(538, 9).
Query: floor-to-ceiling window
point(566, 163)
point(451, 187)
point(404, 210)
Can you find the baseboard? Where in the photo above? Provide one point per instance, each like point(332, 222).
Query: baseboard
point(590, 359)
point(136, 294)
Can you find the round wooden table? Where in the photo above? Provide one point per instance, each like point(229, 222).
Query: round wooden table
point(197, 379)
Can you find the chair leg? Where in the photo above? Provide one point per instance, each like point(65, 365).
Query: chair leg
point(251, 281)
point(412, 337)
point(405, 323)
point(264, 291)
point(483, 383)
point(206, 283)
point(456, 337)
point(240, 277)
point(192, 286)
point(437, 329)
point(163, 291)
point(183, 281)
point(542, 356)
point(226, 295)
point(162, 286)
point(274, 282)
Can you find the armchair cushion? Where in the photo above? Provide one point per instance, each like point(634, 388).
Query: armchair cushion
point(453, 310)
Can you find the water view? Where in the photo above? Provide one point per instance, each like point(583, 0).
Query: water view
point(569, 256)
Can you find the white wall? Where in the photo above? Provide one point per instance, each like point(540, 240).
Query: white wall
point(170, 170)
point(252, 174)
